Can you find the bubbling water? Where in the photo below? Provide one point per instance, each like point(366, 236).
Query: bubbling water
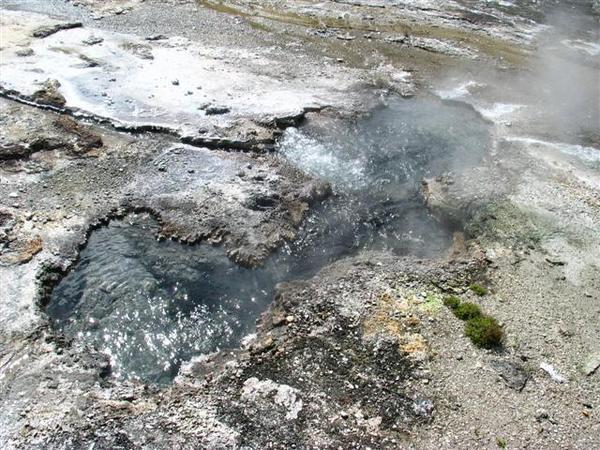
point(150, 305)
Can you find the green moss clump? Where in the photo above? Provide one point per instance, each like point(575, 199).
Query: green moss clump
point(452, 302)
point(466, 311)
point(478, 289)
point(501, 443)
point(484, 331)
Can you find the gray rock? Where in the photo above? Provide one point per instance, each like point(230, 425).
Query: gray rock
point(93, 40)
point(48, 30)
point(214, 110)
point(423, 408)
point(513, 374)
point(48, 94)
point(156, 37)
point(24, 52)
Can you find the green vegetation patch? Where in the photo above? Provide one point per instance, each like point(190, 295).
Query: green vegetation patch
point(466, 311)
point(478, 289)
point(484, 331)
point(452, 302)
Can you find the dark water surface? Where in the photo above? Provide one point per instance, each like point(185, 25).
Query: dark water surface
point(152, 305)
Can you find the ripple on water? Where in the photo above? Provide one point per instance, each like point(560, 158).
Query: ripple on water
point(394, 146)
point(150, 305)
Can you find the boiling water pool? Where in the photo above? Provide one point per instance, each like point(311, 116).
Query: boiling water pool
point(152, 305)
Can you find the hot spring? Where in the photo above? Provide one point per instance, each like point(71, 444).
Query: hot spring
point(152, 305)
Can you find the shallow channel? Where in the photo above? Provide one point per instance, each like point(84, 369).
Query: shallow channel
point(152, 305)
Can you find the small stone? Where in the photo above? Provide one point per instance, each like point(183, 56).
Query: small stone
point(24, 52)
point(13, 195)
point(423, 407)
point(156, 37)
point(93, 40)
point(263, 345)
point(278, 320)
point(290, 319)
point(565, 331)
point(591, 364)
point(541, 414)
point(175, 82)
point(216, 110)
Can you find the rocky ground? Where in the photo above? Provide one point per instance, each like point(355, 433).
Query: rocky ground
point(102, 116)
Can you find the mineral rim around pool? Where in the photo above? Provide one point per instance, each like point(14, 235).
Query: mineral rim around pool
point(152, 305)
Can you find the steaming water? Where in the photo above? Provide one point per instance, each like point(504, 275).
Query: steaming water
point(151, 305)
point(376, 164)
